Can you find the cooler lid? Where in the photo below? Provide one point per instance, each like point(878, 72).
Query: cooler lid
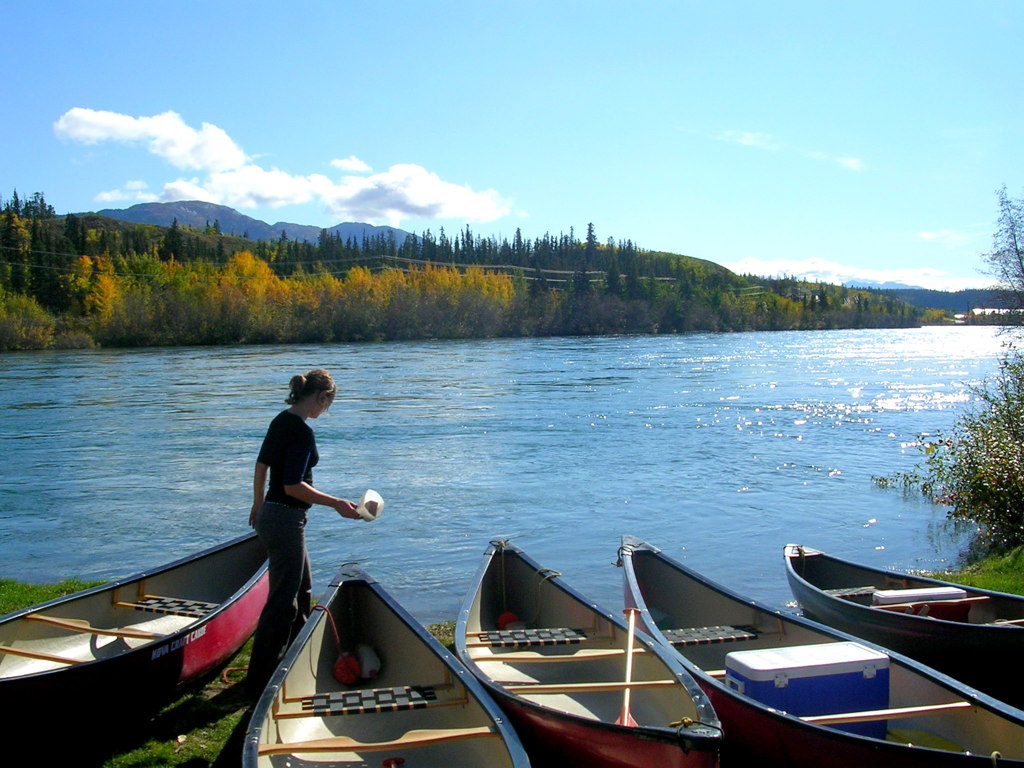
point(805, 660)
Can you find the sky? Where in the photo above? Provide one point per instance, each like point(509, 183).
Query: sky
point(835, 139)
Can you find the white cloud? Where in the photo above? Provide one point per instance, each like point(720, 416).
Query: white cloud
point(768, 142)
point(852, 163)
point(351, 164)
point(751, 139)
point(209, 148)
point(407, 190)
point(233, 178)
point(135, 191)
point(947, 237)
point(822, 270)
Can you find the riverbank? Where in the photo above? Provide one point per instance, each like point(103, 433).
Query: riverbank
point(205, 728)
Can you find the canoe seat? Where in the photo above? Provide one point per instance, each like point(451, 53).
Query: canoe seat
point(851, 592)
point(505, 638)
point(177, 606)
point(705, 635)
point(369, 700)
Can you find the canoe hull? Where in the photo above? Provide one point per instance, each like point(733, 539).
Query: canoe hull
point(105, 699)
point(976, 654)
point(557, 742)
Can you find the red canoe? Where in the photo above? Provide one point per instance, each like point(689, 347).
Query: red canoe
point(103, 660)
point(576, 689)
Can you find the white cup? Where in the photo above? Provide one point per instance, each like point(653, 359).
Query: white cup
point(371, 505)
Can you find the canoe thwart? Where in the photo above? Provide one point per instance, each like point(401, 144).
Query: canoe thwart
point(511, 638)
point(704, 635)
point(38, 655)
point(347, 744)
point(83, 626)
point(531, 689)
point(176, 606)
point(533, 657)
point(370, 700)
point(885, 714)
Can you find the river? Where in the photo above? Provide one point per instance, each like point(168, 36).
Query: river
point(718, 448)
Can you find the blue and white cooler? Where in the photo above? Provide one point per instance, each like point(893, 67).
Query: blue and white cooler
point(822, 679)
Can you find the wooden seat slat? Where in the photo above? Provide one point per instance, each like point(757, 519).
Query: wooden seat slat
point(706, 635)
point(347, 744)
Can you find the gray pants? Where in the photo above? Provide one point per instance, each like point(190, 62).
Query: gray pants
point(282, 530)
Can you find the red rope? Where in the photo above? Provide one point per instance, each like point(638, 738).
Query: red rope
point(334, 628)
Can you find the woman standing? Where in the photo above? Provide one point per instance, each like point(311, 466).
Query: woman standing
point(288, 456)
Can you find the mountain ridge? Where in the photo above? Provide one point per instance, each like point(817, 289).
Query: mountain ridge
point(198, 214)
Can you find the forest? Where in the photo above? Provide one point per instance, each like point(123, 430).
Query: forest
point(83, 280)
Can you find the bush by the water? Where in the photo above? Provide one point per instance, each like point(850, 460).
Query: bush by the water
point(977, 469)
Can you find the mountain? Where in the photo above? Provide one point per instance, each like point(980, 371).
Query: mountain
point(886, 286)
point(197, 214)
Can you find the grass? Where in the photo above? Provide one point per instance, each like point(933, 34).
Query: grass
point(1001, 573)
point(204, 728)
point(16, 594)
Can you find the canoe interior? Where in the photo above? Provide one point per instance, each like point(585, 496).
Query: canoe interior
point(108, 621)
point(677, 599)
point(448, 727)
point(513, 585)
point(856, 584)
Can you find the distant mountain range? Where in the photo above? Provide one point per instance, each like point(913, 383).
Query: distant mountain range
point(886, 286)
point(198, 215)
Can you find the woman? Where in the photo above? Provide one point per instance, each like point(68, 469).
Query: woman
point(288, 456)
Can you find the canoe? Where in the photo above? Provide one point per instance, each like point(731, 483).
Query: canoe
point(972, 634)
point(103, 660)
point(407, 699)
point(919, 718)
point(566, 675)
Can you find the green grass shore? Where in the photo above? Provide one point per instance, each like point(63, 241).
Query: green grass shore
point(205, 727)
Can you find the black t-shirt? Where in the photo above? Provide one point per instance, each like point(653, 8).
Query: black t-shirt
point(289, 449)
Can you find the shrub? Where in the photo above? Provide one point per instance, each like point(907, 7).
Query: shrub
point(977, 469)
point(24, 324)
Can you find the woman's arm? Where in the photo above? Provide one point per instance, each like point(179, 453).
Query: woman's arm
point(259, 490)
point(305, 492)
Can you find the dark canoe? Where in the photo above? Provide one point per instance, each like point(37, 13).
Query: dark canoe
point(101, 661)
point(976, 639)
point(559, 672)
point(422, 707)
point(703, 621)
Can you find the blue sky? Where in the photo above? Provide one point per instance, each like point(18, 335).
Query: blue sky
point(860, 138)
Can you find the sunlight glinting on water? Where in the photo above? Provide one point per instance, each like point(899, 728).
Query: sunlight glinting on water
point(719, 449)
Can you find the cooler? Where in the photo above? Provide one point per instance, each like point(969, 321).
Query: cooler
point(918, 595)
point(821, 679)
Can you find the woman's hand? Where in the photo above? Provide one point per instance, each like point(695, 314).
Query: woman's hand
point(347, 509)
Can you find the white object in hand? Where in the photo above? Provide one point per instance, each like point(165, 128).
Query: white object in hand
point(370, 505)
